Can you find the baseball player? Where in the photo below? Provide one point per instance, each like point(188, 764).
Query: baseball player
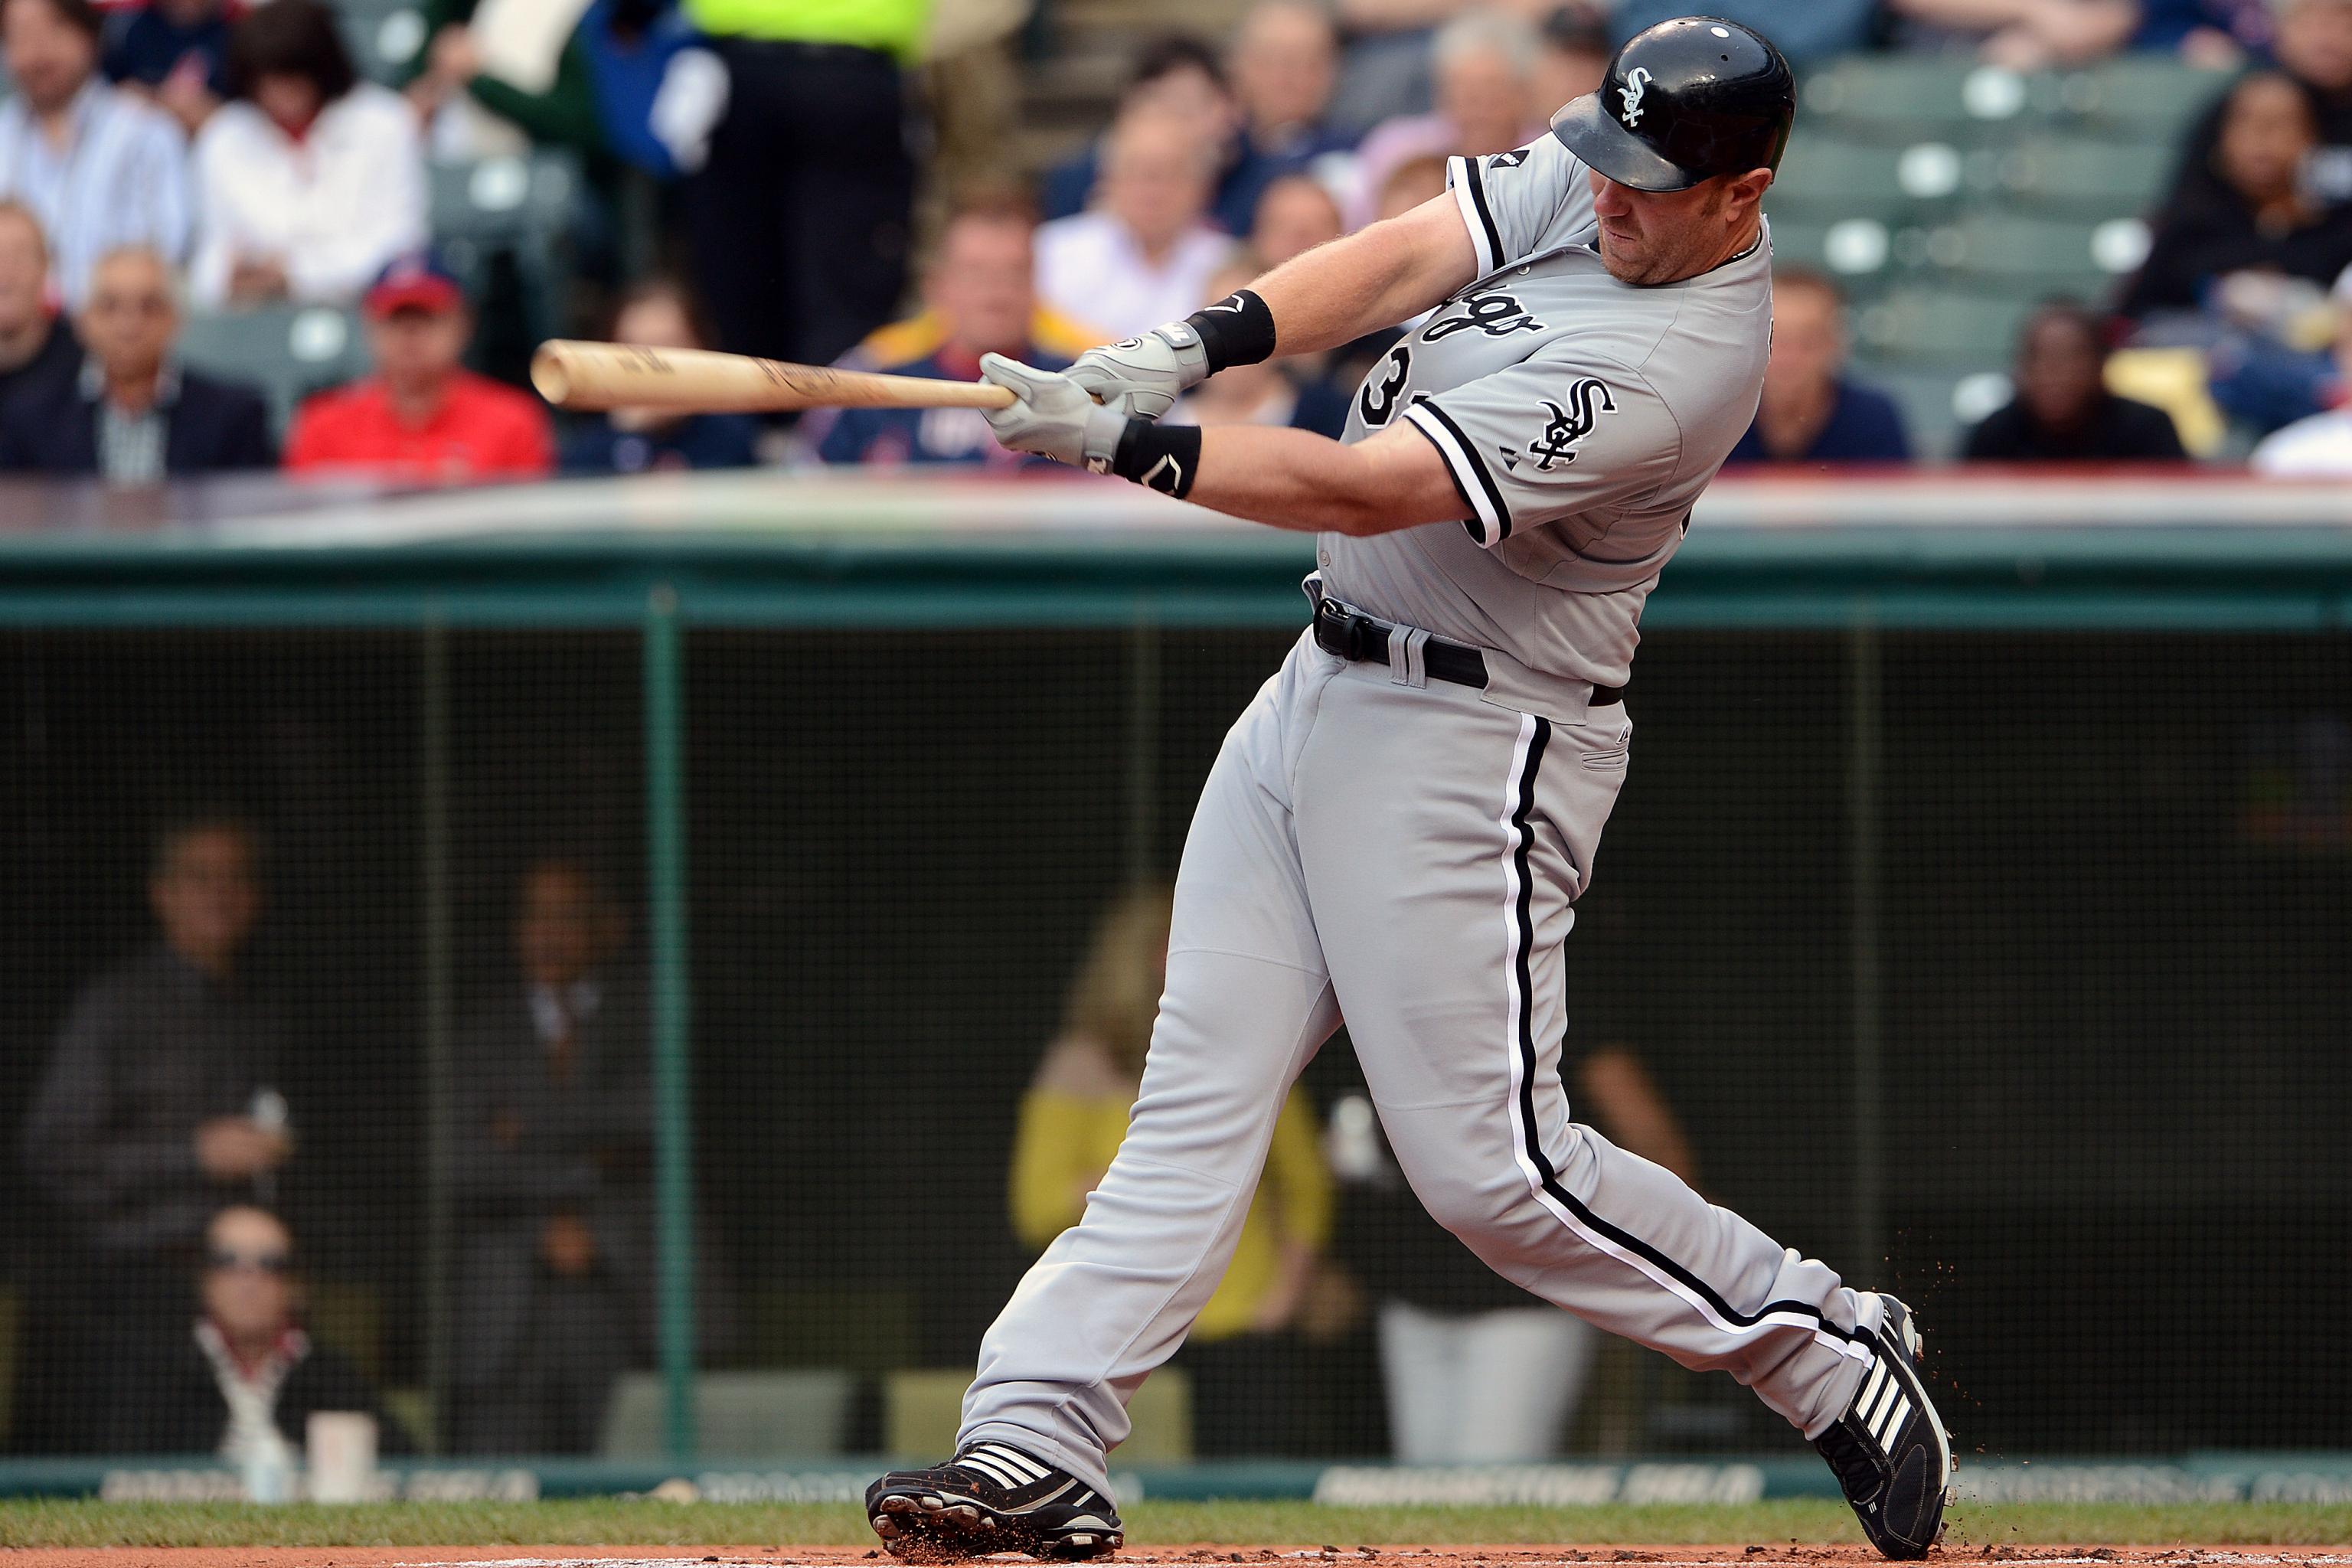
point(1397, 826)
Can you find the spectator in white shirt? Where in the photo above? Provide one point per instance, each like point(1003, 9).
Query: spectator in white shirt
point(311, 180)
point(1142, 255)
point(2320, 446)
point(98, 167)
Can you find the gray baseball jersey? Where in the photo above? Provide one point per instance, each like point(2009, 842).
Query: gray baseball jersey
point(1580, 417)
point(1405, 853)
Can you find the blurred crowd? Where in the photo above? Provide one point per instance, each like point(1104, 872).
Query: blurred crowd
point(849, 180)
point(176, 1316)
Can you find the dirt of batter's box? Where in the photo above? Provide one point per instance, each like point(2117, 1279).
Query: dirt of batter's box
point(1778, 1555)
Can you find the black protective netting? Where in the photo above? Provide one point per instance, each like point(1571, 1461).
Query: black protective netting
point(2101, 879)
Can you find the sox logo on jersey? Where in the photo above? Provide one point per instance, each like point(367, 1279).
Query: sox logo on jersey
point(1588, 400)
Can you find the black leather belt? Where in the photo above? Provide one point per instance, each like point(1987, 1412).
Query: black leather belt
point(1360, 640)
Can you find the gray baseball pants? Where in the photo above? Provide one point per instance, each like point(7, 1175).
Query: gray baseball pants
point(1404, 856)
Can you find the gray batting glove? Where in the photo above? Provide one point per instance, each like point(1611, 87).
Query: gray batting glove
point(1054, 418)
point(1142, 376)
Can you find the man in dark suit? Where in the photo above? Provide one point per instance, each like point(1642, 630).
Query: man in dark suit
point(159, 1105)
point(133, 415)
point(555, 1223)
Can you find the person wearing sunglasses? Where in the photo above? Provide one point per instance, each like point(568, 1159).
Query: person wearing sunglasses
point(242, 1379)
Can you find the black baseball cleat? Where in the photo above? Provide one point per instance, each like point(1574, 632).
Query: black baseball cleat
point(992, 1496)
point(1889, 1450)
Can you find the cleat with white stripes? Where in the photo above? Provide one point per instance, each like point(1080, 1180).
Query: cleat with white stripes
point(992, 1496)
point(1889, 1450)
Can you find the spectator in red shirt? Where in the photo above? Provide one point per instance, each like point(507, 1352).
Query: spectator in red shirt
point(422, 418)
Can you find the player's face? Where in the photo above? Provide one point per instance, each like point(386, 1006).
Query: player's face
point(1663, 237)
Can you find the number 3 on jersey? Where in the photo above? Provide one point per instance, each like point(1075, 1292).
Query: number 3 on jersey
point(1384, 387)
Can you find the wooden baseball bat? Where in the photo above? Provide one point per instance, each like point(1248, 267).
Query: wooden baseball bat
point(583, 375)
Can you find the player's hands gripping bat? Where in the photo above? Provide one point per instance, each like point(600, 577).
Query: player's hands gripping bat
point(583, 375)
point(1143, 376)
point(1053, 417)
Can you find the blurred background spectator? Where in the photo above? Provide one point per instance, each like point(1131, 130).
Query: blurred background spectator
point(37, 346)
point(801, 218)
point(978, 299)
point(1177, 79)
point(1484, 73)
point(160, 1103)
point(1408, 185)
point(1572, 60)
point(98, 166)
point(2310, 42)
point(658, 313)
point(423, 417)
point(2022, 34)
point(1295, 214)
point(2062, 411)
point(310, 181)
point(552, 1186)
point(1283, 63)
point(2320, 445)
point(1143, 253)
point(2252, 214)
point(1287, 393)
point(1810, 412)
point(1807, 31)
point(242, 1380)
point(174, 51)
point(1241, 1354)
point(133, 415)
point(1385, 69)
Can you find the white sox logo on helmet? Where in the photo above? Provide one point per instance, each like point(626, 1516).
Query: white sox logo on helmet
point(1636, 81)
point(1588, 400)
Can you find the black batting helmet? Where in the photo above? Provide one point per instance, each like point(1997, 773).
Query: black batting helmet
point(1684, 101)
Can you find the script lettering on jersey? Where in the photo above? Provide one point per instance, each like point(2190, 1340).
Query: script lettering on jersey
point(1588, 400)
point(1378, 401)
point(1497, 315)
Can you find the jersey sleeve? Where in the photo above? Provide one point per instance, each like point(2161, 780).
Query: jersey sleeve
point(1549, 438)
point(1522, 202)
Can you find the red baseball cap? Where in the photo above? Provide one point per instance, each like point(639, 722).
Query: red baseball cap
point(421, 281)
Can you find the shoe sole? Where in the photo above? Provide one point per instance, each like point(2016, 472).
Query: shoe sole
point(931, 1527)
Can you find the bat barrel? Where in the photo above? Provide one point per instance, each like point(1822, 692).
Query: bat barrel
point(589, 376)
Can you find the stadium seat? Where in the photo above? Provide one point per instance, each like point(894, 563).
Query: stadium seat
point(2141, 96)
point(381, 41)
point(289, 351)
point(737, 1415)
point(2086, 179)
point(2008, 252)
point(922, 1409)
point(520, 207)
point(1827, 179)
point(1943, 327)
point(1861, 253)
point(1909, 97)
point(1938, 406)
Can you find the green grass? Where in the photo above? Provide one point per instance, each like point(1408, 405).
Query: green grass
point(601, 1521)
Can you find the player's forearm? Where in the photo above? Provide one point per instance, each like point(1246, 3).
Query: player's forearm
point(1307, 483)
point(1375, 278)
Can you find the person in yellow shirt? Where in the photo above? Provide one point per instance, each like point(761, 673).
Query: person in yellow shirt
point(1242, 1350)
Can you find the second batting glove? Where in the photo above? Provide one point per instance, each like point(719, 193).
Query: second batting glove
point(1143, 377)
point(1054, 418)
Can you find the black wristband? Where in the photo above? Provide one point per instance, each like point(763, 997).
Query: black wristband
point(1237, 331)
point(1163, 458)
